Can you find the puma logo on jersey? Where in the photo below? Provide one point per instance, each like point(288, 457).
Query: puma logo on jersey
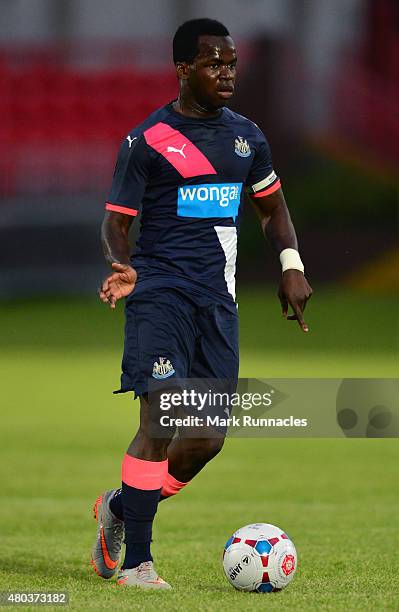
point(173, 150)
point(130, 140)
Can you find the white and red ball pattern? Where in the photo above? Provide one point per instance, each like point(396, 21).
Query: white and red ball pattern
point(259, 557)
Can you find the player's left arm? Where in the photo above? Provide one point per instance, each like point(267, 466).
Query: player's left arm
point(294, 289)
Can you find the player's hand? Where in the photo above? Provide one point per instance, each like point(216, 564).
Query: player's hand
point(118, 285)
point(295, 291)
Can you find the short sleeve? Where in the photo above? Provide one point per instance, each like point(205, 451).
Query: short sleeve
point(262, 179)
point(130, 176)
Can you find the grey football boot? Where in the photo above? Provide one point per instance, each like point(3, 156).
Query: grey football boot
point(106, 552)
point(144, 577)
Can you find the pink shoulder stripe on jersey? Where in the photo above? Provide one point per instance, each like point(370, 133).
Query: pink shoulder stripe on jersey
point(184, 156)
point(267, 191)
point(121, 209)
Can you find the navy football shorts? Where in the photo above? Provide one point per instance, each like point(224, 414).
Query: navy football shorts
point(168, 335)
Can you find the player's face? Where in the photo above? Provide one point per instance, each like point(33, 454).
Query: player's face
point(212, 74)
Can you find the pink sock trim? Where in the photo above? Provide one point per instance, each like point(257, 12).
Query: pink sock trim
point(145, 475)
point(171, 486)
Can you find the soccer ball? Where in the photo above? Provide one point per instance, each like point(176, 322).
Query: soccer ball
point(259, 557)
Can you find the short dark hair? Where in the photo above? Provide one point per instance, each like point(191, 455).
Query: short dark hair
point(185, 41)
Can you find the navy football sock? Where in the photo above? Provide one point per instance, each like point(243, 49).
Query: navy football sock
point(136, 554)
point(116, 505)
point(139, 509)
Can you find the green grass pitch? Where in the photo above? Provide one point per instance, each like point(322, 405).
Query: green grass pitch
point(64, 434)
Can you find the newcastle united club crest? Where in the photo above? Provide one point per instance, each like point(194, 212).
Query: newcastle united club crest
point(241, 147)
point(162, 369)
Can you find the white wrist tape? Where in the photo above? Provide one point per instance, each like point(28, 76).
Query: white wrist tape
point(290, 260)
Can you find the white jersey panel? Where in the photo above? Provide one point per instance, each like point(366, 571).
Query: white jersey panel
point(228, 241)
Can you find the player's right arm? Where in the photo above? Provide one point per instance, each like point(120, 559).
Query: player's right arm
point(116, 247)
point(128, 186)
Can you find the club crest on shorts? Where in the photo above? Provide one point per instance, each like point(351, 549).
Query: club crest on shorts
point(163, 369)
point(241, 147)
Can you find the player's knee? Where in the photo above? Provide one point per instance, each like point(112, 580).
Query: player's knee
point(214, 446)
point(204, 450)
point(147, 447)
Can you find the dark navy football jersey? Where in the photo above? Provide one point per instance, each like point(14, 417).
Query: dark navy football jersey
point(188, 177)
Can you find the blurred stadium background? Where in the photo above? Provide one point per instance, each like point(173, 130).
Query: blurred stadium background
point(321, 78)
